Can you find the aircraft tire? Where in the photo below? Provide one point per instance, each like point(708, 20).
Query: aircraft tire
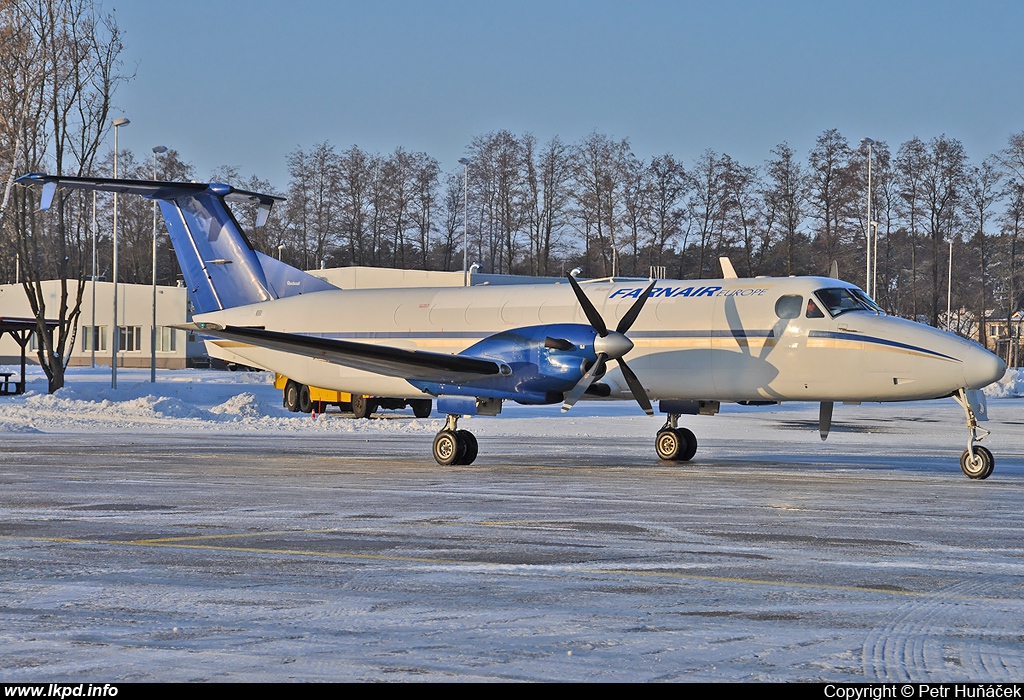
point(420, 407)
point(981, 466)
point(448, 448)
point(468, 439)
point(691, 444)
point(668, 444)
point(676, 444)
point(305, 400)
point(291, 396)
point(361, 408)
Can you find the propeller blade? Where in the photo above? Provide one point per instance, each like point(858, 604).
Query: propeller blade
point(627, 321)
point(636, 387)
point(584, 383)
point(558, 344)
point(589, 309)
point(825, 419)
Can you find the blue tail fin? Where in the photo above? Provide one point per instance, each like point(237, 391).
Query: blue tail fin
point(220, 266)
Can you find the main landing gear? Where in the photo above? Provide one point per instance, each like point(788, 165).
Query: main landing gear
point(673, 443)
point(454, 446)
point(976, 462)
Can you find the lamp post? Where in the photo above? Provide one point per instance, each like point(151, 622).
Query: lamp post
point(152, 335)
point(867, 247)
point(92, 329)
point(117, 123)
point(949, 288)
point(874, 261)
point(465, 222)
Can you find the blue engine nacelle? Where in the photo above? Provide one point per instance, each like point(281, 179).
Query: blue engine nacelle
point(546, 362)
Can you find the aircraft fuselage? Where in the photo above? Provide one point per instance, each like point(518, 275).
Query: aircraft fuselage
point(719, 340)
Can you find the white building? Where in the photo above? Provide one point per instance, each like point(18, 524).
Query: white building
point(135, 323)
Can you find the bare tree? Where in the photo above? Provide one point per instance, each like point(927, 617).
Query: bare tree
point(668, 185)
point(599, 182)
point(67, 66)
point(831, 188)
point(785, 197)
point(942, 185)
point(548, 178)
point(982, 189)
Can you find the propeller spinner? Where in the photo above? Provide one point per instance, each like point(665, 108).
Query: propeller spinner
point(610, 345)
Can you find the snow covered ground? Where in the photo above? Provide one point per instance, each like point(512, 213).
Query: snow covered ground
point(195, 530)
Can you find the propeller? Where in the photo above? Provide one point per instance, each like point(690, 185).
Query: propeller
point(610, 345)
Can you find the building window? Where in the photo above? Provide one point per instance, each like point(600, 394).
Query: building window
point(166, 339)
point(96, 340)
point(129, 338)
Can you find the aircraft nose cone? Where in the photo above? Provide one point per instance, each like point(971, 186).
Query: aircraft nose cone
point(614, 345)
point(981, 368)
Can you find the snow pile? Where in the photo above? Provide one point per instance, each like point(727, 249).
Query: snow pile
point(179, 401)
point(1010, 386)
point(244, 405)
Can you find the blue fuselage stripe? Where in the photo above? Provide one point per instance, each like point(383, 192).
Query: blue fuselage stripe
point(878, 341)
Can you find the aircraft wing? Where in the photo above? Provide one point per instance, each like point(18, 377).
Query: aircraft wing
point(379, 359)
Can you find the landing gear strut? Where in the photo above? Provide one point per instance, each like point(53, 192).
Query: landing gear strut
point(673, 443)
point(976, 462)
point(454, 446)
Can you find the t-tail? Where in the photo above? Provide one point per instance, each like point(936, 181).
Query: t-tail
point(220, 266)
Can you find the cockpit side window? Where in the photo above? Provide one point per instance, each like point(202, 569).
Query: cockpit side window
point(839, 300)
point(789, 306)
point(813, 311)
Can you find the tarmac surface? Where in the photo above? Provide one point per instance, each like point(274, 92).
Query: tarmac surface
point(211, 557)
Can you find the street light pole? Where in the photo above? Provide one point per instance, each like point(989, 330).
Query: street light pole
point(93, 335)
point(465, 222)
point(152, 335)
point(121, 121)
point(874, 262)
point(867, 246)
point(949, 288)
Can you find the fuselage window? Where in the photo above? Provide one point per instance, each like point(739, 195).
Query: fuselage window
point(789, 306)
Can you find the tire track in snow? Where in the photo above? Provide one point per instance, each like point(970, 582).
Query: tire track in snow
point(956, 635)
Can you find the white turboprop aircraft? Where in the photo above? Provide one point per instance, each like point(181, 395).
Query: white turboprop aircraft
point(691, 344)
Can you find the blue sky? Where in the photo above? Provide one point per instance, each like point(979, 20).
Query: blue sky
point(245, 83)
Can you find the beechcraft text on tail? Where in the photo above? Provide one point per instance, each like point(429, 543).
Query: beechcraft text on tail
point(686, 344)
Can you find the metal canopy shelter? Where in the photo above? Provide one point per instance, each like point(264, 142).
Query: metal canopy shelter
point(21, 330)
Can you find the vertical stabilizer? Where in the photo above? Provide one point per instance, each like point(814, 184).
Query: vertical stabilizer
point(220, 266)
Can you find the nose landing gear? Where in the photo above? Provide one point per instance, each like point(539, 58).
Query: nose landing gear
point(976, 462)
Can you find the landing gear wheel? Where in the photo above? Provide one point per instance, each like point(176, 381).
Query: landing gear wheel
point(980, 466)
point(361, 408)
point(420, 407)
point(448, 448)
point(291, 396)
point(676, 444)
point(305, 401)
point(467, 439)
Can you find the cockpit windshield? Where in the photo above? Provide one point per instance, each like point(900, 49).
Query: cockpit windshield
point(839, 300)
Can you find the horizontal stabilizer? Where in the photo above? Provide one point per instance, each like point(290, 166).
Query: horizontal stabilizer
point(150, 189)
